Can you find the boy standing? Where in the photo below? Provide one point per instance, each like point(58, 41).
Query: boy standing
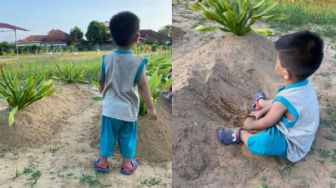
point(122, 74)
point(288, 123)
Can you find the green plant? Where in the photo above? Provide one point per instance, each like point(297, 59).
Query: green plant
point(20, 94)
point(88, 180)
point(328, 118)
point(34, 175)
point(150, 182)
point(157, 71)
point(68, 73)
point(236, 16)
point(333, 174)
point(263, 185)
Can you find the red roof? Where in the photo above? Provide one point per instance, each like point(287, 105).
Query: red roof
point(53, 36)
point(12, 27)
point(148, 33)
point(56, 36)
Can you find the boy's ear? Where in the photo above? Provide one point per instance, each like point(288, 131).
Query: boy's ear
point(137, 37)
point(287, 74)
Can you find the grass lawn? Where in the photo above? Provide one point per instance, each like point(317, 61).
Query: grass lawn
point(46, 64)
point(317, 16)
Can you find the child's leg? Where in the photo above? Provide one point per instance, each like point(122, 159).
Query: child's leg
point(244, 135)
point(127, 143)
point(108, 136)
point(267, 142)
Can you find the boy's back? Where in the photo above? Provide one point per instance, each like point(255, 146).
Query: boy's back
point(121, 71)
point(301, 101)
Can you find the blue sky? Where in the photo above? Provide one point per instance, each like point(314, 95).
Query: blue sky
point(40, 16)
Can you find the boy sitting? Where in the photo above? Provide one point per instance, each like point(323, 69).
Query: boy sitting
point(288, 123)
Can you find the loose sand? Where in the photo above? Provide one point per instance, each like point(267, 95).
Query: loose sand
point(58, 136)
point(215, 76)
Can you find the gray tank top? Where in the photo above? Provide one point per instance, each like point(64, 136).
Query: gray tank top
point(121, 71)
point(300, 100)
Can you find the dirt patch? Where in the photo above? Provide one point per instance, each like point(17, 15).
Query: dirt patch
point(218, 72)
point(154, 137)
point(66, 156)
point(39, 122)
point(215, 76)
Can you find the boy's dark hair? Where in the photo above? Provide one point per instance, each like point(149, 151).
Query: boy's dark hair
point(301, 53)
point(123, 27)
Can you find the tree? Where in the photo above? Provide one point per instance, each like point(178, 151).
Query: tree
point(96, 33)
point(166, 30)
point(4, 47)
point(76, 35)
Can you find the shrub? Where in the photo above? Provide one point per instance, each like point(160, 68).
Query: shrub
point(236, 16)
point(21, 93)
point(69, 74)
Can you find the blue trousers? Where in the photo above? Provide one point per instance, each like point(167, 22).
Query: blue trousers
point(268, 142)
point(123, 132)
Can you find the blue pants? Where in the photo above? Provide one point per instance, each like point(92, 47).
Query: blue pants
point(113, 130)
point(268, 142)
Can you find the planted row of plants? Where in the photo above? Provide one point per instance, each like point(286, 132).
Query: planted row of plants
point(26, 83)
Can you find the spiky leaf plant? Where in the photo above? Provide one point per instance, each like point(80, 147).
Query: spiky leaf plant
point(21, 93)
point(236, 16)
point(69, 74)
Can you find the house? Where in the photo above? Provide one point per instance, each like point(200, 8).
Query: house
point(55, 39)
point(148, 34)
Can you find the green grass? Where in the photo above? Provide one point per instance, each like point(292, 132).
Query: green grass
point(150, 182)
point(87, 179)
point(97, 98)
point(333, 174)
point(54, 149)
point(42, 64)
point(326, 154)
point(263, 183)
point(330, 137)
point(306, 16)
point(328, 118)
point(33, 175)
point(286, 168)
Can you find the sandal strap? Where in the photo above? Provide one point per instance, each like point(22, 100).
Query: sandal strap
point(132, 166)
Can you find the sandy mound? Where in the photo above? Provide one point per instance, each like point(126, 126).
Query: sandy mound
point(67, 155)
point(39, 122)
point(212, 88)
point(154, 137)
point(226, 72)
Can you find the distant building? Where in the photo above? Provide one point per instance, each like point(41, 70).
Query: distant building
point(55, 38)
point(148, 34)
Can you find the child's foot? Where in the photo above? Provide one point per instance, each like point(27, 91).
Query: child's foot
point(129, 168)
point(255, 105)
point(229, 136)
point(100, 166)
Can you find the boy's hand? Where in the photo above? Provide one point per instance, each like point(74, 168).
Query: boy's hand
point(152, 114)
point(257, 114)
point(101, 89)
point(248, 123)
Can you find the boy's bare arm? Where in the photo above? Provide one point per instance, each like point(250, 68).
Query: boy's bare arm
point(145, 93)
point(276, 111)
point(263, 111)
point(101, 83)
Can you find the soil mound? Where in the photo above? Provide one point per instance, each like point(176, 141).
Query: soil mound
point(226, 72)
point(154, 137)
point(39, 122)
point(212, 88)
